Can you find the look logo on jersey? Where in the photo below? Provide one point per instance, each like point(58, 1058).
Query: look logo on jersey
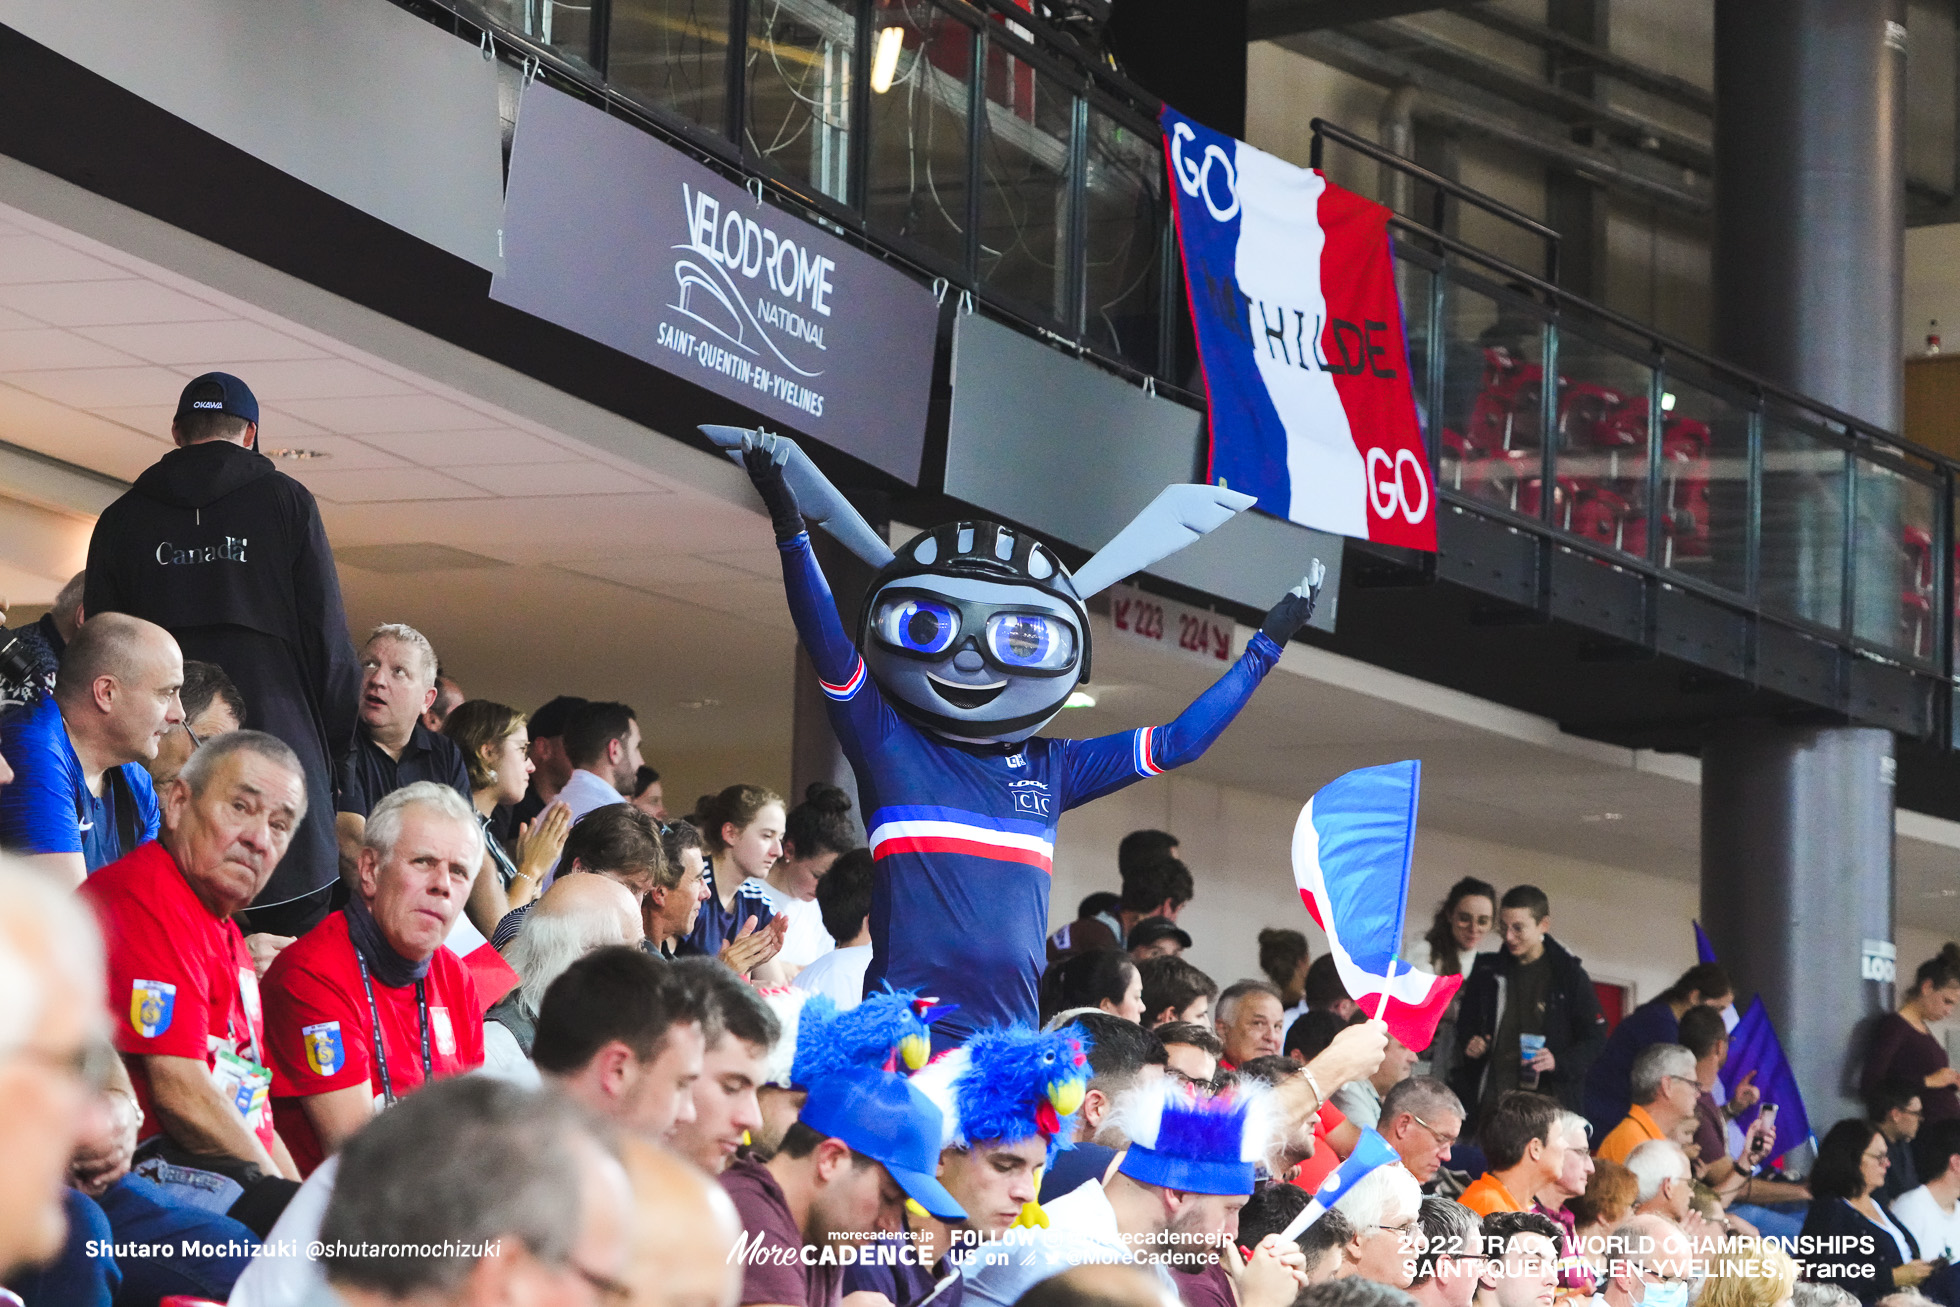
point(324, 1054)
point(152, 1003)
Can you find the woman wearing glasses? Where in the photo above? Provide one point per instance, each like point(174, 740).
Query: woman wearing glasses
point(1844, 1184)
point(497, 750)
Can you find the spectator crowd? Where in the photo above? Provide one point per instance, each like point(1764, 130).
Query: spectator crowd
point(328, 983)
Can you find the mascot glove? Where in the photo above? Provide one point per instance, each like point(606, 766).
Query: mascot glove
point(763, 455)
point(1295, 608)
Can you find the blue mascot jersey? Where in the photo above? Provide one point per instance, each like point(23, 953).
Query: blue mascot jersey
point(963, 838)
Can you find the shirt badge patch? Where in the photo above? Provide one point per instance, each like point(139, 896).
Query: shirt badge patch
point(151, 1005)
point(444, 1032)
point(324, 1054)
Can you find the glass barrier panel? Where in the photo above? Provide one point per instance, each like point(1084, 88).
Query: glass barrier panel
point(1892, 602)
point(921, 69)
point(565, 27)
point(1026, 141)
point(672, 54)
point(1802, 546)
point(1703, 526)
point(1492, 429)
point(1601, 434)
point(1125, 218)
point(1416, 286)
point(799, 78)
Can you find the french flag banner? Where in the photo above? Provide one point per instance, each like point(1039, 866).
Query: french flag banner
point(1351, 853)
point(494, 977)
point(1306, 368)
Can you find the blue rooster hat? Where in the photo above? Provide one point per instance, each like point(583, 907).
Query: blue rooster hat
point(1003, 1086)
point(1200, 1145)
point(890, 1030)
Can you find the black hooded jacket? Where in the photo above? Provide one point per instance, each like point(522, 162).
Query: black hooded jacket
point(1575, 1029)
point(228, 554)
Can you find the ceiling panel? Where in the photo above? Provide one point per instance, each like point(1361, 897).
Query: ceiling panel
point(203, 346)
point(518, 480)
point(53, 347)
point(284, 382)
point(481, 448)
point(390, 485)
point(25, 258)
point(101, 303)
point(96, 387)
point(413, 412)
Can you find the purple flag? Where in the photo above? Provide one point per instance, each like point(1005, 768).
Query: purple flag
point(1704, 951)
point(1753, 1046)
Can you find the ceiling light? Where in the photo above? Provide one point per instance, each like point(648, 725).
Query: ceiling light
point(296, 455)
point(698, 704)
point(1667, 401)
point(884, 63)
point(1080, 699)
point(1604, 816)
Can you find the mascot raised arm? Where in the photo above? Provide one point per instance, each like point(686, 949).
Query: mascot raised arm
point(972, 639)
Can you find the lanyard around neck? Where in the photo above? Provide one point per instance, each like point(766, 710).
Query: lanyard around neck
point(380, 1050)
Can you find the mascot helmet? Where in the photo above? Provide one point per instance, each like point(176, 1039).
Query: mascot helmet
point(975, 631)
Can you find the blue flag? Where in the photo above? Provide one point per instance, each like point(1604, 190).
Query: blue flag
point(1704, 951)
point(1371, 1153)
point(1753, 1046)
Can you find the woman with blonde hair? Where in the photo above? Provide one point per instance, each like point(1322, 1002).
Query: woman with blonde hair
point(1749, 1272)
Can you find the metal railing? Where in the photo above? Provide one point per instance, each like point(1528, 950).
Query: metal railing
point(969, 142)
point(1638, 452)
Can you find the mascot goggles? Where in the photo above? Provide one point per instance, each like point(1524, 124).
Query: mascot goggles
point(1026, 642)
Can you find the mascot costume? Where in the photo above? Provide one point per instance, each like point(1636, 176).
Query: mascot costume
point(972, 639)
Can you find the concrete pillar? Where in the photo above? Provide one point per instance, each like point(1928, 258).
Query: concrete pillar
point(1796, 874)
point(1810, 197)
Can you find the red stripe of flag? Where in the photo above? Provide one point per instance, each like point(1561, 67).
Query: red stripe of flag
point(953, 844)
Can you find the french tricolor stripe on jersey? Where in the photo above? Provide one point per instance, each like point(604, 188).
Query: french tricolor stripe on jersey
point(923, 829)
point(851, 685)
point(1146, 765)
point(1307, 377)
point(1351, 852)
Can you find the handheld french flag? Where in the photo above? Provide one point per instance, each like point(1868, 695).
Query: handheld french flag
point(1351, 853)
point(1704, 950)
point(1307, 374)
point(1370, 1154)
point(1753, 1046)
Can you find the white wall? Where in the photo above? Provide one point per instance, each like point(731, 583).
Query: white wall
point(1932, 285)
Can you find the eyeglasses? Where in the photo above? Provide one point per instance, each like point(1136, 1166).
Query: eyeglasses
point(1406, 1229)
point(1446, 1140)
point(195, 741)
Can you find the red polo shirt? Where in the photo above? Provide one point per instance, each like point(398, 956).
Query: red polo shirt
point(321, 1034)
point(181, 982)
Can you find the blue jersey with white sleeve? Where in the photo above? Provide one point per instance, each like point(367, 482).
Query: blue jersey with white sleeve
point(963, 836)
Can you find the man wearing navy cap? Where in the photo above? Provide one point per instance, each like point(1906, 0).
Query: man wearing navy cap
point(228, 554)
point(862, 1144)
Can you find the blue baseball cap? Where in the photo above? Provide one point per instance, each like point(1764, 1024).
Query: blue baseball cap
point(219, 392)
point(884, 1116)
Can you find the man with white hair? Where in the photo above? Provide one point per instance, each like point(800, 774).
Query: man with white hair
point(51, 973)
point(368, 1004)
point(392, 746)
point(576, 915)
point(1664, 1093)
point(1575, 1273)
point(80, 797)
point(183, 991)
point(1383, 1206)
point(1666, 1180)
point(1649, 1256)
